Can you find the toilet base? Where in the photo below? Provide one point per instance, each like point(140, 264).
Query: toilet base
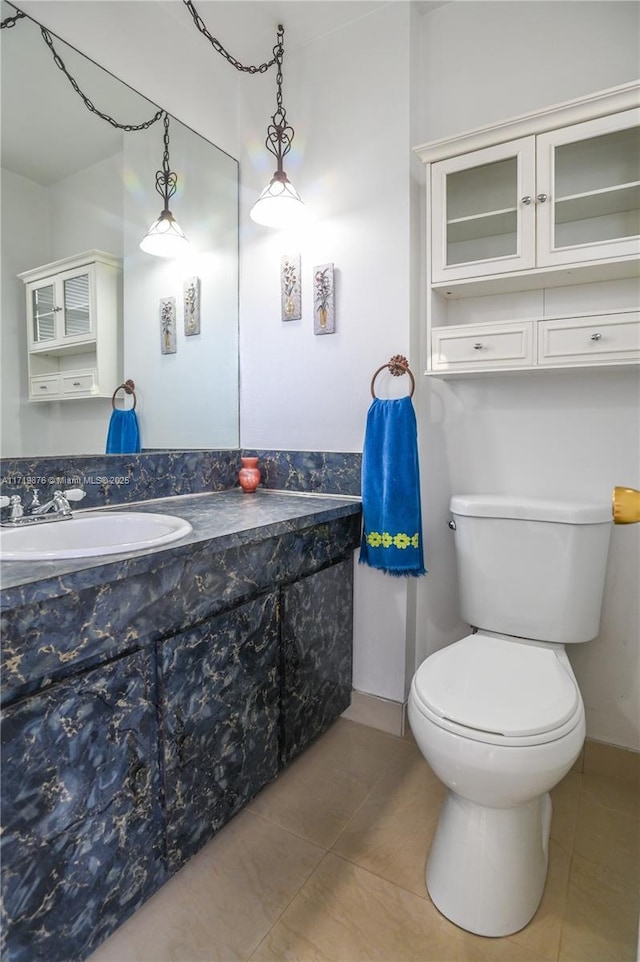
point(487, 866)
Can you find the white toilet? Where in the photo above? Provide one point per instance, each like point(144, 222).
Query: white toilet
point(498, 715)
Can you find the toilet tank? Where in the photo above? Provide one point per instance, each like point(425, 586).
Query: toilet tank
point(529, 568)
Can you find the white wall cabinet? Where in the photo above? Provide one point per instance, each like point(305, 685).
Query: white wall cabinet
point(543, 201)
point(74, 327)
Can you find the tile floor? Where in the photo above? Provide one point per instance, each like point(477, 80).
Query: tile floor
point(327, 863)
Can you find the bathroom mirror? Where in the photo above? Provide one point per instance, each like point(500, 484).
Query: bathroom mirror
point(73, 183)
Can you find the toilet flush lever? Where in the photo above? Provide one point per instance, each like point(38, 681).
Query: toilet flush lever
point(451, 524)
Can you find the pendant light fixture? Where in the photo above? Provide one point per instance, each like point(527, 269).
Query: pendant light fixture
point(279, 204)
point(165, 237)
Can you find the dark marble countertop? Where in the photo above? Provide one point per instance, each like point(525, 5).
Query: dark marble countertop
point(223, 519)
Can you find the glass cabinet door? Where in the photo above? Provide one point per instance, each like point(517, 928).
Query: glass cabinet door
point(589, 190)
point(43, 314)
point(77, 305)
point(483, 211)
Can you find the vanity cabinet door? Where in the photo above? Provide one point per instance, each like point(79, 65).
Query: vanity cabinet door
point(80, 816)
point(219, 709)
point(317, 643)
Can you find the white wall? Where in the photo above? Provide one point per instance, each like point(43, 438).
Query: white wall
point(347, 94)
point(551, 435)
point(188, 399)
point(41, 225)
point(25, 220)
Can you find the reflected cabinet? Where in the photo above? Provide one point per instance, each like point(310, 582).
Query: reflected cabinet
point(74, 327)
point(543, 201)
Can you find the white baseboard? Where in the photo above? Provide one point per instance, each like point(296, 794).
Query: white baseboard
point(382, 713)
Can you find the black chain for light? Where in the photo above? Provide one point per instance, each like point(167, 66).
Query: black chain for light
point(88, 104)
point(166, 180)
point(11, 21)
point(200, 24)
point(279, 132)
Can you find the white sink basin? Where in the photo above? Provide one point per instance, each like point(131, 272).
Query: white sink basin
point(90, 535)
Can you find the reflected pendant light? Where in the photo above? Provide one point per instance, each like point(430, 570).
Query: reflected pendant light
point(165, 237)
point(279, 204)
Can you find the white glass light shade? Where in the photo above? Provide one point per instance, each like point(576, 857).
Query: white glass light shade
point(279, 204)
point(165, 238)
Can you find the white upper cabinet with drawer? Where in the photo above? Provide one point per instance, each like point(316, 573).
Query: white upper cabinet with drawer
point(74, 327)
point(519, 212)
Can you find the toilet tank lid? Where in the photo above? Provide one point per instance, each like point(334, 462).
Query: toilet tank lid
point(529, 509)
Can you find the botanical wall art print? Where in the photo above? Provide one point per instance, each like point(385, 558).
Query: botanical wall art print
point(168, 343)
point(191, 306)
point(290, 287)
point(324, 318)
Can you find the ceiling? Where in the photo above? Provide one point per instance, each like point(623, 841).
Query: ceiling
point(44, 123)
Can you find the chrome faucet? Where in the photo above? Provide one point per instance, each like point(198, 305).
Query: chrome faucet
point(57, 509)
point(59, 503)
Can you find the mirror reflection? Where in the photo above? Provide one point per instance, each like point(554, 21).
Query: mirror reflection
point(77, 192)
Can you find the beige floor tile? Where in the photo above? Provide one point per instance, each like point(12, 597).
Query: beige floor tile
point(542, 934)
point(391, 832)
point(346, 914)
point(612, 762)
point(615, 794)
point(222, 903)
point(608, 838)
point(323, 788)
point(565, 798)
point(601, 917)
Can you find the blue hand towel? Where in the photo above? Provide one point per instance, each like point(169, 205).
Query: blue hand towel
point(123, 436)
point(392, 531)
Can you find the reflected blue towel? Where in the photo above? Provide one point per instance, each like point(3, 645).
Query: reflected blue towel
point(392, 531)
point(123, 436)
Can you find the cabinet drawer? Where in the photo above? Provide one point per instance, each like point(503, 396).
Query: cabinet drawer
point(80, 382)
point(482, 347)
point(43, 388)
point(596, 339)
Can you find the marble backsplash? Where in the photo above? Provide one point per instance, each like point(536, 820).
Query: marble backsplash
point(121, 479)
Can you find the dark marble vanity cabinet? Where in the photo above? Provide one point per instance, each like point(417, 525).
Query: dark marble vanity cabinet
point(147, 697)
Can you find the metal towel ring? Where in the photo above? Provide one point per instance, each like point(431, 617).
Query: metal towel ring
point(129, 388)
point(397, 365)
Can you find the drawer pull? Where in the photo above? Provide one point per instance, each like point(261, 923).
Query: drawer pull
point(43, 387)
point(596, 336)
point(478, 346)
point(77, 384)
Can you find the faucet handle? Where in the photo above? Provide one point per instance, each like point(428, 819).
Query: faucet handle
point(74, 494)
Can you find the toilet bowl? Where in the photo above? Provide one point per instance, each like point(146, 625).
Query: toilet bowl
point(498, 715)
point(504, 730)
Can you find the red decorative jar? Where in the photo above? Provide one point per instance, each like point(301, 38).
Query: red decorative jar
point(249, 475)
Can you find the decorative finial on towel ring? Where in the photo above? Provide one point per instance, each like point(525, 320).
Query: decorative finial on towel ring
point(397, 366)
point(129, 388)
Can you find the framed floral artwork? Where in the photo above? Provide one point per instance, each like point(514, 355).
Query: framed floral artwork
point(290, 287)
point(168, 343)
point(191, 306)
point(324, 316)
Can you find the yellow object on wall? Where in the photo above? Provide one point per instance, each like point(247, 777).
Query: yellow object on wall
point(625, 505)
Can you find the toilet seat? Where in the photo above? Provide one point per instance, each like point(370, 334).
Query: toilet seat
point(498, 690)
